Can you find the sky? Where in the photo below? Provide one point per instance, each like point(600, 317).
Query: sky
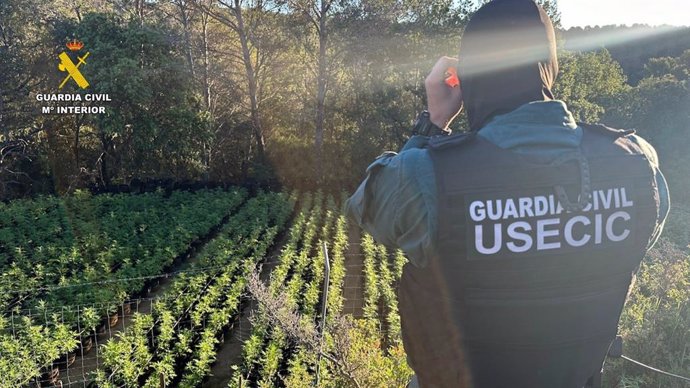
point(604, 12)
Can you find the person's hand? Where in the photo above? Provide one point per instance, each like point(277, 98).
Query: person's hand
point(445, 102)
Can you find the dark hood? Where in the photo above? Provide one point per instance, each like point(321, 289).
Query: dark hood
point(507, 59)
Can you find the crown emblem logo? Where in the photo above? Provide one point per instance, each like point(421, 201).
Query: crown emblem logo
point(75, 45)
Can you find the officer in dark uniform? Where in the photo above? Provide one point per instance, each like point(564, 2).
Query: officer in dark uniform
point(523, 235)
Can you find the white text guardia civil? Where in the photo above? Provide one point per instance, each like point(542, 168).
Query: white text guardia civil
point(517, 230)
point(73, 97)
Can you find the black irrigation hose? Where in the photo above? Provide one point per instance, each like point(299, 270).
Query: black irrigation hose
point(655, 369)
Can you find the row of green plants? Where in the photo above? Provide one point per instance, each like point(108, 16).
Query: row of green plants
point(67, 251)
point(290, 347)
point(380, 325)
point(176, 344)
point(305, 293)
point(204, 354)
point(302, 366)
point(382, 272)
point(354, 352)
point(299, 277)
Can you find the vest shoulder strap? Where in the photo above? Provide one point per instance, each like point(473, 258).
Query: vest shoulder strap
point(605, 130)
point(442, 142)
point(598, 139)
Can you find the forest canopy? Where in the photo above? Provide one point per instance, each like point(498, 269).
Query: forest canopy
point(278, 92)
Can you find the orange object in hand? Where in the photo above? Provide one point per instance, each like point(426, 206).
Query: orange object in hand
point(452, 79)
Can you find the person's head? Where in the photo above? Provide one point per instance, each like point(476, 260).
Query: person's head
point(507, 59)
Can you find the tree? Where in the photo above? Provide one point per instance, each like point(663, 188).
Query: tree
point(588, 83)
point(23, 47)
point(185, 16)
point(153, 128)
point(243, 18)
point(318, 13)
point(657, 109)
point(678, 67)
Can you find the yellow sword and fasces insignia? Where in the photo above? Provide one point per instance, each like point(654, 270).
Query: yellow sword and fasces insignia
point(72, 70)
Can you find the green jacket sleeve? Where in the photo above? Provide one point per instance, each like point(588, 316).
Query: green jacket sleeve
point(395, 202)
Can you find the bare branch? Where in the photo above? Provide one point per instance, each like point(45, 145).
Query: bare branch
point(216, 14)
point(281, 314)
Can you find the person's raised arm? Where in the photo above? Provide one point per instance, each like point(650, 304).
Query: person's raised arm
point(444, 102)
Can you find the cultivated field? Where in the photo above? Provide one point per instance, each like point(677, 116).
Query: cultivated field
point(226, 288)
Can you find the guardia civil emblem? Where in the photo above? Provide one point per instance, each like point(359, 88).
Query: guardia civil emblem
point(72, 69)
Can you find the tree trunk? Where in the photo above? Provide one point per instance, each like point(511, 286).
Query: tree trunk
point(321, 93)
point(58, 163)
point(77, 130)
point(251, 80)
point(3, 126)
point(105, 178)
point(140, 11)
point(206, 92)
point(77, 11)
point(206, 63)
point(184, 17)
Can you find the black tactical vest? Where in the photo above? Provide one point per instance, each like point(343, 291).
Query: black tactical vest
point(534, 262)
